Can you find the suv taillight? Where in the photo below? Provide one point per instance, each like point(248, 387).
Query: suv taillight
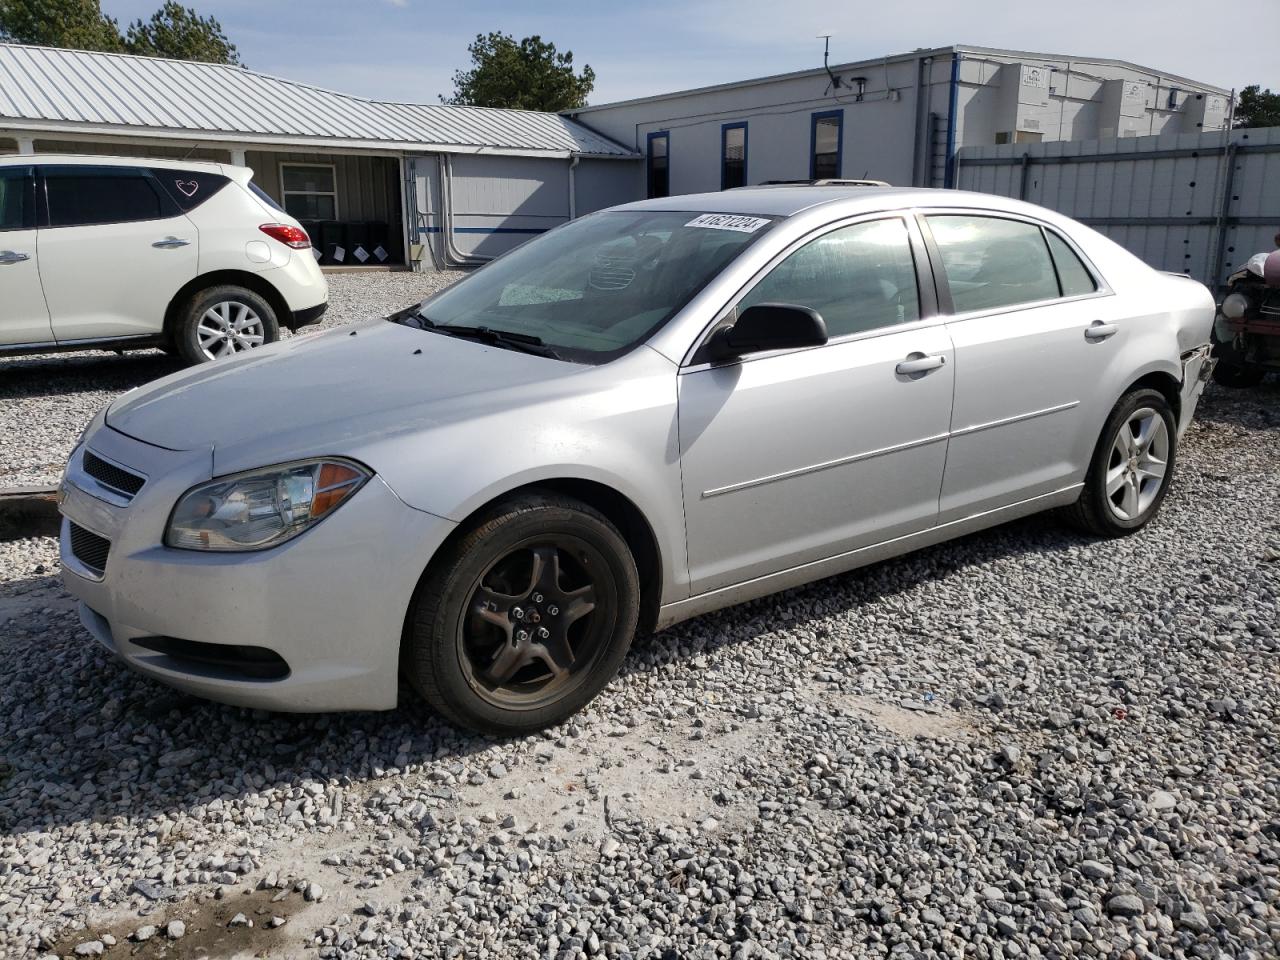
point(290, 236)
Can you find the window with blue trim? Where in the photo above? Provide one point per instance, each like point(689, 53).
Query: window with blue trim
point(733, 155)
point(658, 164)
point(825, 140)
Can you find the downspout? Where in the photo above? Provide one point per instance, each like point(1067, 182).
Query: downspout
point(949, 180)
point(918, 166)
point(573, 190)
point(453, 257)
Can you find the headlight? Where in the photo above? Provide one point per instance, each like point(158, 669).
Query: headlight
point(262, 508)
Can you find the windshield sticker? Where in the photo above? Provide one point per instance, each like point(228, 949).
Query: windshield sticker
point(187, 187)
point(728, 221)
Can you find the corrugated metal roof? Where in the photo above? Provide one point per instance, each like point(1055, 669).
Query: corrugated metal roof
point(106, 90)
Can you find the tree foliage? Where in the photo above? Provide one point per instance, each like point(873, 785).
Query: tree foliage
point(78, 24)
point(1257, 108)
point(179, 33)
point(174, 31)
point(528, 75)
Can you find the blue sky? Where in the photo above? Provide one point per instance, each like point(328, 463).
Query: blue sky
point(408, 49)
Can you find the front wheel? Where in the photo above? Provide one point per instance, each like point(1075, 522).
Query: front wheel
point(1131, 468)
point(223, 321)
point(525, 618)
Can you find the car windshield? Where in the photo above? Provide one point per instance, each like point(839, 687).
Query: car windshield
point(594, 288)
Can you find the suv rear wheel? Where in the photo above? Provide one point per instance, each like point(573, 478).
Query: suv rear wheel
point(222, 321)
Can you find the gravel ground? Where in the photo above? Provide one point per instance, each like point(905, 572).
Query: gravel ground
point(1021, 744)
point(45, 401)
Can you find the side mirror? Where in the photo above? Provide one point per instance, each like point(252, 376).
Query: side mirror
point(1271, 270)
point(769, 326)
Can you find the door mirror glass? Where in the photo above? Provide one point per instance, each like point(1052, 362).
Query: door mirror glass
point(770, 326)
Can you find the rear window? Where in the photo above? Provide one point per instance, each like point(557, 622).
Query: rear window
point(189, 188)
point(85, 195)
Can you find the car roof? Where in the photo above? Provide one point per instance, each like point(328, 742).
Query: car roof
point(79, 159)
point(780, 201)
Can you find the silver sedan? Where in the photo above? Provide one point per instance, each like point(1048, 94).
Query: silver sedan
point(651, 412)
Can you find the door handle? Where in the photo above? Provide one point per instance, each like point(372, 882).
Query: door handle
point(918, 364)
point(169, 243)
point(1098, 330)
point(13, 256)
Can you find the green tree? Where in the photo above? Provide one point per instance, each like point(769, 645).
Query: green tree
point(528, 75)
point(179, 33)
point(1257, 108)
point(174, 31)
point(78, 24)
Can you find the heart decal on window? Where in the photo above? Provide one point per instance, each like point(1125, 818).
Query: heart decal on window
point(187, 187)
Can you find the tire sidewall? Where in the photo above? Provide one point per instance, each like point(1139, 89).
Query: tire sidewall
point(437, 621)
point(186, 338)
point(1097, 479)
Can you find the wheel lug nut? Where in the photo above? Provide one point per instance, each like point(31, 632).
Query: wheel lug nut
point(517, 613)
point(553, 609)
point(522, 636)
point(537, 598)
point(543, 632)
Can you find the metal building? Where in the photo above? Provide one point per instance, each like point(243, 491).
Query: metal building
point(898, 118)
point(375, 182)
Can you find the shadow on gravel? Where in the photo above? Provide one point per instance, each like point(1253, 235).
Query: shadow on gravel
point(53, 375)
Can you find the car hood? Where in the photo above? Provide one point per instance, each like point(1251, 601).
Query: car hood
point(335, 388)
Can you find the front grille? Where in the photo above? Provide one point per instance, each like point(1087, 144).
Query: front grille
point(89, 548)
point(109, 475)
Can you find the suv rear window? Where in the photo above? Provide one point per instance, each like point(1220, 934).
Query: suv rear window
point(189, 188)
point(15, 198)
point(85, 195)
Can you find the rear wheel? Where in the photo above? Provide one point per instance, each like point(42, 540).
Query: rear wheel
point(1132, 467)
point(525, 619)
point(223, 321)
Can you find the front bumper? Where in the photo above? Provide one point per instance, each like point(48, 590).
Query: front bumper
point(331, 603)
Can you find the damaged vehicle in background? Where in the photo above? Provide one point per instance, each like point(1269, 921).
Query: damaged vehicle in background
point(648, 413)
point(1246, 334)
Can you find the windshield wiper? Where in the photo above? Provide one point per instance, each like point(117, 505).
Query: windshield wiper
point(524, 342)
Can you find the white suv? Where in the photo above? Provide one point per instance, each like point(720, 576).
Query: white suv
point(114, 253)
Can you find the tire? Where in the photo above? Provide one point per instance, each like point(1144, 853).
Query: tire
point(223, 309)
point(1238, 375)
point(495, 606)
point(1131, 505)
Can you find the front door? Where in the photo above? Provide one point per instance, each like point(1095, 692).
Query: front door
point(115, 252)
point(1034, 335)
point(793, 457)
point(24, 318)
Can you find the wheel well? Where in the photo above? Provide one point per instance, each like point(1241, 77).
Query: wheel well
point(217, 278)
point(1164, 383)
point(621, 512)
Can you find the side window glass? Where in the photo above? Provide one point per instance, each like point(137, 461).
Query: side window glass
point(15, 199)
point(1073, 275)
point(82, 196)
point(859, 278)
point(189, 188)
point(992, 263)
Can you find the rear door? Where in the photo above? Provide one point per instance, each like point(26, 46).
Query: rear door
point(1034, 331)
point(115, 251)
point(24, 318)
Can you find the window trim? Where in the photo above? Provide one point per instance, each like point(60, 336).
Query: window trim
point(945, 303)
point(285, 194)
point(169, 209)
point(27, 174)
point(724, 143)
point(814, 120)
point(648, 163)
point(930, 307)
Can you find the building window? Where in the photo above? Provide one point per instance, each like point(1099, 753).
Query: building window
point(825, 140)
point(733, 155)
point(309, 190)
point(658, 164)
